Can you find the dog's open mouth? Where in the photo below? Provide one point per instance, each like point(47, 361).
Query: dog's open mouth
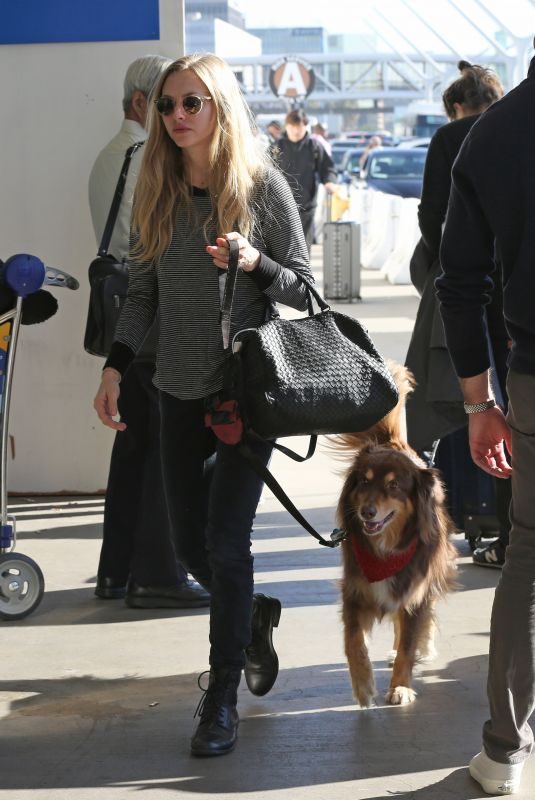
point(376, 526)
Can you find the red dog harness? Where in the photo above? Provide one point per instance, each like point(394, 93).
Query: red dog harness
point(379, 569)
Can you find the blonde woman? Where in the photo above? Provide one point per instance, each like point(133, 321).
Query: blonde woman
point(205, 179)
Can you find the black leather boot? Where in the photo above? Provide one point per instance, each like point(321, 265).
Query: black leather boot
point(262, 663)
point(217, 731)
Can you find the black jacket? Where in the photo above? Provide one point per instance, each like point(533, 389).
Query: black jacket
point(435, 408)
point(305, 164)
point(442, 152)
point(491, 216)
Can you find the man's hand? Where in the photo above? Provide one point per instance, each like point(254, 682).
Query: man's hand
point(488, 432)
point(331, 187)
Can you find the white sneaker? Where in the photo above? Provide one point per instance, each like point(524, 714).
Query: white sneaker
point(495, 778)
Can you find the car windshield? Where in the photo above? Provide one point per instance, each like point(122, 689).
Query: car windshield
point(351, 159)
point(398, 165)
point(338, 154)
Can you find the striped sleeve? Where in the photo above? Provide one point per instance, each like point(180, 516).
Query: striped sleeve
point(139, 310)
point(284, 243)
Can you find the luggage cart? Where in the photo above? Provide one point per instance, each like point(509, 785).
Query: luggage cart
point(21, 580)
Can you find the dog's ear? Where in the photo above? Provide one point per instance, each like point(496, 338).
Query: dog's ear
point(345, 514)
point(428, 503)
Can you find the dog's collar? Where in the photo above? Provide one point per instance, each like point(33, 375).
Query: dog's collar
point(379, 569)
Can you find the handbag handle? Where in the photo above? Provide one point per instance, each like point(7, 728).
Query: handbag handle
point(230, 285)
point(116, 201)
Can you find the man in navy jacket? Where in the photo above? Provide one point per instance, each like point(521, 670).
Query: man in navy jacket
point(491, 217)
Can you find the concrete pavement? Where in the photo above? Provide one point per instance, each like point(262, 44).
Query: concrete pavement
point(97, 700)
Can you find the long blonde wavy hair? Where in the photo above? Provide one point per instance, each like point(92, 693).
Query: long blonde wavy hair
point(237, 160)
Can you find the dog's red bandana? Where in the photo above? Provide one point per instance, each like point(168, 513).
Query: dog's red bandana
point(378, 569)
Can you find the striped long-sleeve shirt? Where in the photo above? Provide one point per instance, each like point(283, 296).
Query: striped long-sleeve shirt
point(184, 286)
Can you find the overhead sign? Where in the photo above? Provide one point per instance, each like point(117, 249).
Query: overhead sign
point(291, 77)
point(48, 21)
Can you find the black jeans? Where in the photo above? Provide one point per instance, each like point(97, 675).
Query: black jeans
point(136, 539)
point(212, 496)
point(307, 221)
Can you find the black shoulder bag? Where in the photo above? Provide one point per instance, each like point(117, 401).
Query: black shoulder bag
point(108, 278)
point(319, 374)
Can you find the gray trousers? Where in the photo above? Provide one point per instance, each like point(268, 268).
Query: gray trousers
point(507, 736)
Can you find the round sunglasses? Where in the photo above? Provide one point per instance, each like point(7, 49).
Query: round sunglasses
point(191, 103)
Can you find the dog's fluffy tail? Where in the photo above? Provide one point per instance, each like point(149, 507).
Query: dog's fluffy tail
point(389, 429)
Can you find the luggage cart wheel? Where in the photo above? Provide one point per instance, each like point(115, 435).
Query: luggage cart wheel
point(21, 586)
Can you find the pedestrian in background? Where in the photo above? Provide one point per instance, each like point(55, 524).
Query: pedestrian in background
point(137, 559)
point(435, 410)
point(205, 179)
point(274, 132)
point(306, 164)
point(373, 144)
point(319, 133)
point(491, 203)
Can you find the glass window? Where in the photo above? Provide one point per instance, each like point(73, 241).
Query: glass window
point(398, 165)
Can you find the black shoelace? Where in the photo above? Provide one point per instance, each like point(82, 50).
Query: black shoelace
point(211, 701)
point(202, 702)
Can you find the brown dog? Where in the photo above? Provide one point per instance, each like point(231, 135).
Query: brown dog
point(397, 556)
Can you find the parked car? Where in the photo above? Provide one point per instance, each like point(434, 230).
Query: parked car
point(339, 148)
point(395, 170)
point(363, 137)
point(349, 165)
point(420, 141)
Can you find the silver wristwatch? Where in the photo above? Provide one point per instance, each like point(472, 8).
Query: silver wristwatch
point(475, 408)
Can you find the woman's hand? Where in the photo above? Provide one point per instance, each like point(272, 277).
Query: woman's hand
point(105, 402)
point(249, 256)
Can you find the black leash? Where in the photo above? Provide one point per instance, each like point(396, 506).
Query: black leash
point(263, 472)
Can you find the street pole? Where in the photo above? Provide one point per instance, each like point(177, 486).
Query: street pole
point(181, 28)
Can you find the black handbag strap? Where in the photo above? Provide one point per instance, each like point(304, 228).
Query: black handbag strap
point(230, 285)
point(228, 296)
point(116, 202)
point(295, 456)
point(263, 472)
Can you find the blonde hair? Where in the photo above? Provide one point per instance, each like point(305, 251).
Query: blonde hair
point(236, 161)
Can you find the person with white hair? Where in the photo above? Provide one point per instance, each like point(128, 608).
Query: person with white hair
point(137, 559)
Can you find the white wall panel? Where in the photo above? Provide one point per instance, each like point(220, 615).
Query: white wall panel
point(60, 104)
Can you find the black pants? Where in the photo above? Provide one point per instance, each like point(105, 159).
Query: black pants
point(212, 495)
point(137, 539)
point(468, 488)
point(307, 221)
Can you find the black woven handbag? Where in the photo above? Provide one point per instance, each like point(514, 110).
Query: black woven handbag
point(313, 375)
point(319, 374)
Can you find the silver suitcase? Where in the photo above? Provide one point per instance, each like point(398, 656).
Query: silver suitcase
point(341, 261)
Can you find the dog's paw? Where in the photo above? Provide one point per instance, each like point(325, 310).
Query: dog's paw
point(400, 696)
point(364, 693)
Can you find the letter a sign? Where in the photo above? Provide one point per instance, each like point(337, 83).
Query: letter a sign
point(291, 77)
